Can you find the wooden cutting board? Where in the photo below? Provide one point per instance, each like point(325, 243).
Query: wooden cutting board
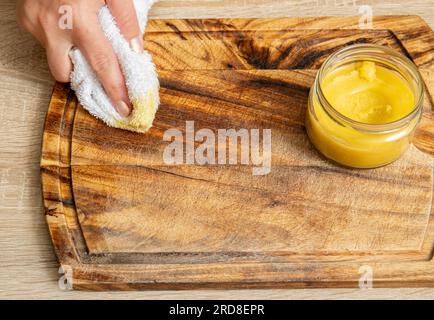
point(121, 218)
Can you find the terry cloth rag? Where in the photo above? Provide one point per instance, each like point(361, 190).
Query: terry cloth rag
point(139, 72)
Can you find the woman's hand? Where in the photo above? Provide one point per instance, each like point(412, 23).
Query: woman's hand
point(41, 18)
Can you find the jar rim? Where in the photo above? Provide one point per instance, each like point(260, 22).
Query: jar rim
point(392, 57)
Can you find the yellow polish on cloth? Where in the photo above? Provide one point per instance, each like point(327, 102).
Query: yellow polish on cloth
point(139, 71)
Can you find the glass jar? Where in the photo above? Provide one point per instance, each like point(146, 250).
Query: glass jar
point(354, 143)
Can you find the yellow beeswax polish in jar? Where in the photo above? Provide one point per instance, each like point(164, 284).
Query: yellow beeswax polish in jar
point(364, 106)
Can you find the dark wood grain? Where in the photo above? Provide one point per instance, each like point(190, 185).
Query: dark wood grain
point(123, 219)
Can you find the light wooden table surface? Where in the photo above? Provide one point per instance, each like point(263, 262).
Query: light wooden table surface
point(28, 267)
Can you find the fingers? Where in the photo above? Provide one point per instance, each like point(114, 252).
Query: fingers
point(59, 62)
point(101, 57)
point(125, 15)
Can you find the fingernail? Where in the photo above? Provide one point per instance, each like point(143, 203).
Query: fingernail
point(136, 44)
point(122, 109)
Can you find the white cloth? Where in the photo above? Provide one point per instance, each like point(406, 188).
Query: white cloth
point(139, 72)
